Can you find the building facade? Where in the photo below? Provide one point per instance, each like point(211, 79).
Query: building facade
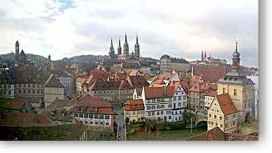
point(134, 111)
point(164, 103)
point(168, 64)
point(93, 111)
point(53, 90)
point(222, 113)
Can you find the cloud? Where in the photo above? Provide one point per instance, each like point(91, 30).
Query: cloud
point(180, 28)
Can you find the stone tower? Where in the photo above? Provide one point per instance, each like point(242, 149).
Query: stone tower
point(137, 48)
point(236, 59)
point(126, 47)
point(17, 51)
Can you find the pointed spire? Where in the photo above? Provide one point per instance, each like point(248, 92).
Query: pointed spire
point(137, 41)
point(125, 37)
point(236, 46)
point(111, 53)
point(202, 57)
point(137, 48)
point(119, 48)
point(126, 47)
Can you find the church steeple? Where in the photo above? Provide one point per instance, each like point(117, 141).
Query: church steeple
point(137, 48)
point(111, 53)
point(17, 47)
point(126, 47)
point(17, 52)
point(236, 58)
point(119, 50)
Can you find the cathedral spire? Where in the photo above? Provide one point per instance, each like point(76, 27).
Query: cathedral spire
point(17, 47)
point(111, 53)
point(126, 47)
point(137, 48)
point(119, 48)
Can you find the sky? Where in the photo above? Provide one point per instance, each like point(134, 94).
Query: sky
point(180, 28)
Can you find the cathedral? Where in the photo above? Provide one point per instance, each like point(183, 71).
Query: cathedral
point(124, 53)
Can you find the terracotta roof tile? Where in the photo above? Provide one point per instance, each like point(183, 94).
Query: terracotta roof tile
point(93, 104)
point(134, 105)
point(226, 104)
point(159, 92)
point(215, 134)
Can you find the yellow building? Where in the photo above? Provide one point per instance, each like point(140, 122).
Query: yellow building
point(239, 87)
point(223, 114)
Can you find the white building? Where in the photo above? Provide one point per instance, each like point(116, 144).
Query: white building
point(93, 111)
point(165, 103)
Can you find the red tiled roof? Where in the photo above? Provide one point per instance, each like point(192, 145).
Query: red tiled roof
point(226, 104)
point(93, 104)
point(215, 134)
point(210, 73)
point(157, 92)
point(134, 105)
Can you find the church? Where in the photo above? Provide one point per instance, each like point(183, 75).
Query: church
point(123, 53)
point(20, 57)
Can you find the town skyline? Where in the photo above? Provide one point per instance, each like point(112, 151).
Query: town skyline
point(67, 28)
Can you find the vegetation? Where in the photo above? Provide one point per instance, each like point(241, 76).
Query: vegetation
point(61, 132)
point(152, 130)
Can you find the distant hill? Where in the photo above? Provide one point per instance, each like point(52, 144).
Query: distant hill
point(10, 58)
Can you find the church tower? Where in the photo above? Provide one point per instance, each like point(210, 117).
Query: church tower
point(119, 50)
point(137, 48)
point(17, 47)
point(236, 59)
point(240, 88)
point(126, 47)
point(17, 52)
point(111, 52)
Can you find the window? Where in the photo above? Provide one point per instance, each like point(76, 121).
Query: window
point(223, 90)
point(215, 116)
point(149, 113)
point(220, 117)
point(221, 125)
point(169, 117)
point(210, 115)
point(179, 97)
point(235, 92)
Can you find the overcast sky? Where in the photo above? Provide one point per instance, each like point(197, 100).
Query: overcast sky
point(181, 28)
